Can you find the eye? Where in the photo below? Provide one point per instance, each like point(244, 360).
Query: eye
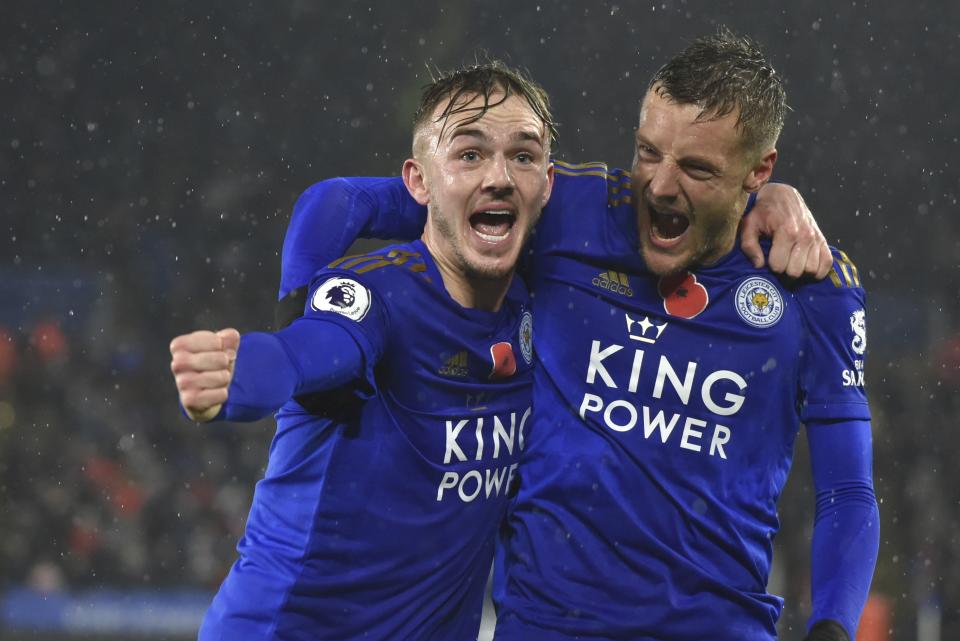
point(699, 172)
point(646, 152)
point(524, 158)
point(470, 155)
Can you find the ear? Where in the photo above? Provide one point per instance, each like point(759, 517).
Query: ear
point(549, 189)
point(761, 172)
point(415, 180)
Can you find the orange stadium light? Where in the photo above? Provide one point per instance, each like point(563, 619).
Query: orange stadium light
point(877, 618)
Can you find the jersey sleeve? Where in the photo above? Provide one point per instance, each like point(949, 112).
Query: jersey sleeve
point(832, 361)
point(352, 302)
point(306, 357)
point(337, 342)
point(331, 214)
point(846, 532)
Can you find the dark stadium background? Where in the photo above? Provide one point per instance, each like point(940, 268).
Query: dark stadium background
point(149, 157)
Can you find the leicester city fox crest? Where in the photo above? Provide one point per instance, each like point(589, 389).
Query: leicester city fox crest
point(759, 302)
point(526, 336)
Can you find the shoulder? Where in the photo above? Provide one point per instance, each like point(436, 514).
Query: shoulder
point(350, 285)
point(836, 301)
point(833, 313)
point(392, 261)
point(842, 281)
point(594, 179)
point(327, 200)
point(590, 210)
point(310, 239)
point(844, 273)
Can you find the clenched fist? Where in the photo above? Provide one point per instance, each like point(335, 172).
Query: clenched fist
point(202, 365)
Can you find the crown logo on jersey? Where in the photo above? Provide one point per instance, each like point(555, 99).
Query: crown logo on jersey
point(455, 366)
point(616, 282)
point(645, 326)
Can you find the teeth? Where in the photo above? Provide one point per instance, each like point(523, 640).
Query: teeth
point(497, 212)
point(490, 238)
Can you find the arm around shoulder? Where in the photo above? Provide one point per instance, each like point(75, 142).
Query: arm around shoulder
point(330, 215)
point(799, 247)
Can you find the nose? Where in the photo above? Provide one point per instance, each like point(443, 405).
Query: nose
point(498, 176)
point(665, 183)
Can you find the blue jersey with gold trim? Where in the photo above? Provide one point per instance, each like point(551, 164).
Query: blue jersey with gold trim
point(665, 417)
point(377, 514)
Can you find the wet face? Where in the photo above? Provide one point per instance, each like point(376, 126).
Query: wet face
point(484, 184)
point(692, 179)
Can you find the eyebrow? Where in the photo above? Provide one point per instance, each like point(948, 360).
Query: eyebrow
point(524, 136)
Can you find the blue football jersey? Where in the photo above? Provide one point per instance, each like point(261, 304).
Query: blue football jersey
point(664, 422)
point(377, 514)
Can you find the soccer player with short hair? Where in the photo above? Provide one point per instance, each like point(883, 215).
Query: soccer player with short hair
point(410, 372)
point(672, 377)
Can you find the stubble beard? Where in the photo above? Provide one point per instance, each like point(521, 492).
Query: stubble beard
point(699, 257)
point(696, 260)
point(469, 268)
point(649, 251)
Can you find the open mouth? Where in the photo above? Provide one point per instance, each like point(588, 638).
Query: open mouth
point(667, 226)
point(493, 225)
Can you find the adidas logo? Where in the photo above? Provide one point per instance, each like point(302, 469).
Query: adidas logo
point(455, 366)
point(613, 281)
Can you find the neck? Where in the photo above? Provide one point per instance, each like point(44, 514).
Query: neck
point(726, 240)
point(725, 235)
point(470, 291)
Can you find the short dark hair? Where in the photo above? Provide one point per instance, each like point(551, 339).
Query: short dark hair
point(724, 73)
point(460, 86)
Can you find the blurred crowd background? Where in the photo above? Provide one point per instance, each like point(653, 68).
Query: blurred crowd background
point(150, 154)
